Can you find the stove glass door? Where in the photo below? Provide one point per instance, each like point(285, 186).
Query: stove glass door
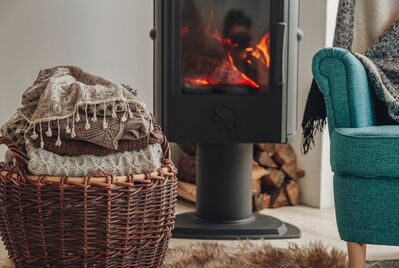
point(225, 46)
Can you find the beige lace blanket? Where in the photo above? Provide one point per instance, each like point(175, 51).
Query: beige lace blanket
point(68, 100)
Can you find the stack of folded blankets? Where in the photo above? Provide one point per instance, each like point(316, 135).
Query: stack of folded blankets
point(74, 123)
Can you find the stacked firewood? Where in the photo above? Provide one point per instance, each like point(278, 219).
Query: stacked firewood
point(275, 175)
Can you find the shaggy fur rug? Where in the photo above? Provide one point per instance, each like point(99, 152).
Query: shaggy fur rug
point(254, 255)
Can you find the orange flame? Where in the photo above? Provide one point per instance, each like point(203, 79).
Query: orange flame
point(262, 51)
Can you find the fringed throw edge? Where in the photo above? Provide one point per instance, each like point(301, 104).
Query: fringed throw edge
point(314, 118)
point(29, 130)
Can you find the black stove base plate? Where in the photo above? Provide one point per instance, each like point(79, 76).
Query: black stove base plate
point(260, 227)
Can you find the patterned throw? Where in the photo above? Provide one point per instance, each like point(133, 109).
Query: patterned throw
point(72, 147)
point(69, 102)
point(370, 29)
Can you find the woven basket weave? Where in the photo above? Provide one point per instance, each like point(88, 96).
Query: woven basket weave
point(98, 221)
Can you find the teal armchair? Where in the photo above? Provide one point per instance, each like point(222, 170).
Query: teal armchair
point(364, 155)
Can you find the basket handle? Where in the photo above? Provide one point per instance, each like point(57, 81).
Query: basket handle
point(20, 157)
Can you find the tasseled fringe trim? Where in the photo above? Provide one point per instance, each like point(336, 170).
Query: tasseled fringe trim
point(105, 123)
point(58, 142)
point(68, 128)
point(75, 118)
point(49, 132)
point(113, 110)
point(41, 136)
point(34, 135)
point(87, 124)
point(94, 119)
point(73, 133)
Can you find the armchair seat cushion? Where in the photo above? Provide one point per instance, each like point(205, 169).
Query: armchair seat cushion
point(366, 152)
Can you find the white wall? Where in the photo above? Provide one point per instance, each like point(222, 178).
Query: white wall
point(332, 8)
point(107, 37)
point(326, 187)
point(313, 24)
point(318, 23)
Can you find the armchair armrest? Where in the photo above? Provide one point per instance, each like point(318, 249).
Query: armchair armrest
point(343, 81)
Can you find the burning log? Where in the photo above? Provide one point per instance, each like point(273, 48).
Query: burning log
point(212, 59)
point(200, 70)
point(251, 66)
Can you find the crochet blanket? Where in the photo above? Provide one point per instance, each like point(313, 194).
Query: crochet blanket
point(67, 101)
point(42, 162)
point(370, 29)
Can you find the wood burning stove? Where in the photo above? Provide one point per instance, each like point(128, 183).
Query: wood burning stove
point(225, 77)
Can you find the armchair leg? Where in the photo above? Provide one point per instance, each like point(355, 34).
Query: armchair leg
point(357, 255)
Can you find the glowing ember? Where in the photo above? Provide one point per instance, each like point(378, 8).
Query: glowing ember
point(199, 81)
point(245, 79)
point(226, 71)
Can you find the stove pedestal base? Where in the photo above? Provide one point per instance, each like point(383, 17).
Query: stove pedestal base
point(224, 199)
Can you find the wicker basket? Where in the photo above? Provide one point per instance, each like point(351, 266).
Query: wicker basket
point(98, 221)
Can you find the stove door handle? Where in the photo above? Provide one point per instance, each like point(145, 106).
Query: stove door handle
point(280, 37)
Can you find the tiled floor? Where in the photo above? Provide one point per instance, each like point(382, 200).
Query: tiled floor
point(315, 224)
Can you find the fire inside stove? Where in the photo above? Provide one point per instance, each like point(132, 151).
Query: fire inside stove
point(225, 46)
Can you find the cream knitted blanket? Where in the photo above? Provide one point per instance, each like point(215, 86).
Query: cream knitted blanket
point(43, 162)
